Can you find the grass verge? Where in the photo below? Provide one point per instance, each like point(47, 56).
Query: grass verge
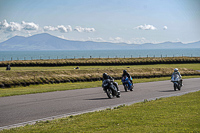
point(179, 114)
point(68, 86)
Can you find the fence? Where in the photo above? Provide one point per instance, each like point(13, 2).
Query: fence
point(84, 57)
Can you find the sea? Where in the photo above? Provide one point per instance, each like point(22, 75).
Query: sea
point(75, 54)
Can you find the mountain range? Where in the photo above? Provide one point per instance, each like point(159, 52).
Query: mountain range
point(46, 41)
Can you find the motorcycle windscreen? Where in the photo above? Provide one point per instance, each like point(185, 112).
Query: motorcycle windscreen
point(175, 77)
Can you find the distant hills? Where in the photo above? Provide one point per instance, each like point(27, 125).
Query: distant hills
point(46, 41)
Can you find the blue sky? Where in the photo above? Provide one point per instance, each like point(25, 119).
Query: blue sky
point(118, 21)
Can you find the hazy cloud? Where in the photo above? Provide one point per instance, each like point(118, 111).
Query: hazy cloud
point(9, 27)
point(98, 39)
point(116, 40)
point(50, 28)
point(64, 29)
point(62, 37)
point(141, 40)
point(3, 24)
point(145, 27)
point(60, 28)
point(165, 28)
point(80, 29)
point(13, 26)
point(29, 26)
point(68, 28)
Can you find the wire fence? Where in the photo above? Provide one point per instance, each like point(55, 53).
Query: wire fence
point(89, 57)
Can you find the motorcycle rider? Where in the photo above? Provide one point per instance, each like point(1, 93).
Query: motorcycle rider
point(130, 82)
point(106, 76)
point(176, 72)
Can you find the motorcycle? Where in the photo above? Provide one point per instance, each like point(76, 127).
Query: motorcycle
point(125, 81)
point(177, 82)
point(110, 89)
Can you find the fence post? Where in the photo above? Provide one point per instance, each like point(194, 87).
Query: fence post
point(147, 56)
point(161, 55)
point(11, 58)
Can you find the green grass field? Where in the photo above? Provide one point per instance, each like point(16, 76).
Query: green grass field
point(173, 114)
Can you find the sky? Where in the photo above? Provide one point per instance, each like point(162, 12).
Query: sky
point(116, 21)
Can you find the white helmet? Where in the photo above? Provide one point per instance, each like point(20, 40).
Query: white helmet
point(176, 70)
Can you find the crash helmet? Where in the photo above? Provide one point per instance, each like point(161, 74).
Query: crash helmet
point(124, 72)
point(105, 75)
point(176, 70)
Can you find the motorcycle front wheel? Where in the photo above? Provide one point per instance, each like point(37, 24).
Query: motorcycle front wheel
point(174, 87)
point(125, 87)
point(109, 93)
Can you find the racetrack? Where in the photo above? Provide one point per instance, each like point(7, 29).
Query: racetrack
point(26, 109)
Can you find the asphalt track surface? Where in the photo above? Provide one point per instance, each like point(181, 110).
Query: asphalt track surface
point(27, 109)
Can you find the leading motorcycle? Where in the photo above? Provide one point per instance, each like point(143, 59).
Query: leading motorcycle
point(176, 81)
point(110, 88)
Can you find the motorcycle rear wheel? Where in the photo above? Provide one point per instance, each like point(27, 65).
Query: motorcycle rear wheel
point(179, 87)
point(131, 88)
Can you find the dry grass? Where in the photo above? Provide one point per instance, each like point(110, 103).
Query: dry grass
point(101, 61)
point(17, 77)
